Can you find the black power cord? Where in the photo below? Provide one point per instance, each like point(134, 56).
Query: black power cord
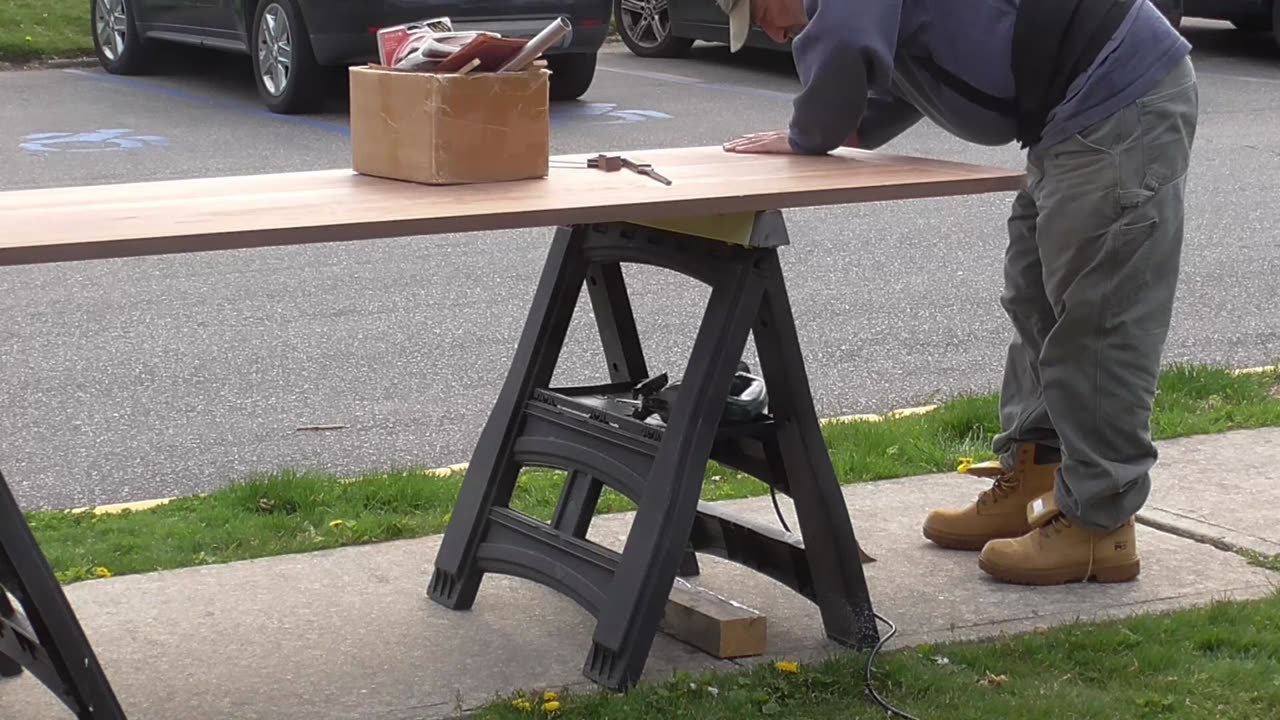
point(871, 659)
point(893, 630)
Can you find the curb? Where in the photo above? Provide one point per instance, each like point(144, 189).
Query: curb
point(461, 467)
point(48, 64)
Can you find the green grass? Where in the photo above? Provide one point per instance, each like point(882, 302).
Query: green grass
point(1220, 661)
point(288, 513)
point(1262, 560)
point(44, 29)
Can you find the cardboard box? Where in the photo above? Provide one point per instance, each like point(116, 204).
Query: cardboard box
point(442, 129)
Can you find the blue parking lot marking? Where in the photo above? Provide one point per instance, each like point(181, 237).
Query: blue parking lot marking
point(602, 114)
point(108, 140)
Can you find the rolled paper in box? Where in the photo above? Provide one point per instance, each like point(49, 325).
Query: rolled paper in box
point(549, 36)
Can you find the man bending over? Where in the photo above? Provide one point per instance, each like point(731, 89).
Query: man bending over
point(1103, 97)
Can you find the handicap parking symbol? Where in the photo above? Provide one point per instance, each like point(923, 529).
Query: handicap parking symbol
point(109, 140)
point(605, 113)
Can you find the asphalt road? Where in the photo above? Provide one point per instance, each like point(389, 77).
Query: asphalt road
point(141, 378)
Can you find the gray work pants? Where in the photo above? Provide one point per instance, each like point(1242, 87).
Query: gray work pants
point(1095, 242)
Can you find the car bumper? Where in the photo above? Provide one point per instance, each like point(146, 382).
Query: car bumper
point(344, 33)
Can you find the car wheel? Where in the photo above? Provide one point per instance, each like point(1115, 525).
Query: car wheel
point(289, 78)
point(645, 27)
point(120, 50)
point(1275, 22)
point(1172, 11)
point(571, 74)
point(1252, 24)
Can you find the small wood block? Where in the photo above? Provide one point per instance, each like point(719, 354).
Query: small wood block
point(713, 624)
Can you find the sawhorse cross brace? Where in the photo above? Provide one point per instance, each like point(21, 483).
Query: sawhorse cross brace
point(660, 469)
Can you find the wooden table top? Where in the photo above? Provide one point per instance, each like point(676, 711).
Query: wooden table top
point(223, 213)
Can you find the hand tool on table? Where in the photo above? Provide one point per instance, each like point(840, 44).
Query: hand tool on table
point(612, 163)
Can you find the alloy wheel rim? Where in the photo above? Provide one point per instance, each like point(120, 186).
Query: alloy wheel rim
point(646, 22)
point(275, 50)
point(110, 19)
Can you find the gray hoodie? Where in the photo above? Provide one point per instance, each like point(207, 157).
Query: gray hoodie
point(854, 61)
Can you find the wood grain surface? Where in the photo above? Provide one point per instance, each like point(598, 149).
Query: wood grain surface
point(207, 214)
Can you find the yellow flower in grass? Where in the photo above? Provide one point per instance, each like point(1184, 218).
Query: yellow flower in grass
point(338, 524)
point(522, 705)
point(552, 707)
point(965, 464)
point(102, 572)
point(549, 696)
point(787, 666)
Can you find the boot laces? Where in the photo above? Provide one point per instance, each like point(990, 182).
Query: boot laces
point(1058, 524)
point(1002, 488)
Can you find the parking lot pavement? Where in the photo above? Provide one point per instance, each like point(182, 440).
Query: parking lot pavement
point(160, 376)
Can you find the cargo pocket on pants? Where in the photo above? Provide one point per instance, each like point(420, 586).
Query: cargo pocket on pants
point(1135, 301)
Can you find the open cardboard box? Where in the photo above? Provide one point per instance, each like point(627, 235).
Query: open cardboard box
point(450, 128)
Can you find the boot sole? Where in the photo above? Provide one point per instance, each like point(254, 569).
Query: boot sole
point(962, 542)
point(1113, 574)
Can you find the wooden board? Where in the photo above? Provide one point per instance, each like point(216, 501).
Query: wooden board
point(713, 624)
point(175, 216)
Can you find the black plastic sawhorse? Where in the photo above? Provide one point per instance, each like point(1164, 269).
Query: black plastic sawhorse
point(41, 633)
point(660, 469)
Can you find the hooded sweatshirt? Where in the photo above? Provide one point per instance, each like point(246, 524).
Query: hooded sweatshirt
point(855, 62)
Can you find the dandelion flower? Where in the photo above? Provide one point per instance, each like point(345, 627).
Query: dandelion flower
point(787, 666)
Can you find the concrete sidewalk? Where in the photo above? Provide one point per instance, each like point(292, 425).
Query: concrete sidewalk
point(349, 633)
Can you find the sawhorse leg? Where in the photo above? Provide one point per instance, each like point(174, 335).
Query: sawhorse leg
point(9, 668)
point(49, 642)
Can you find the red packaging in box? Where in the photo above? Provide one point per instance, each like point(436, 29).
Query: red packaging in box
point(391, 38)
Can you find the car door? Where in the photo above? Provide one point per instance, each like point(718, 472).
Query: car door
point(216, 20)
point(699, 12)
point(155, 14)
point(188, 21)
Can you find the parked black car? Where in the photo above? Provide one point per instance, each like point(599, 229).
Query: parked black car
point(668, 28)
point(295, 43)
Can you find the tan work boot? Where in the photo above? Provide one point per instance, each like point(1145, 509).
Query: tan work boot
point(1055, 551)
point(998, 512)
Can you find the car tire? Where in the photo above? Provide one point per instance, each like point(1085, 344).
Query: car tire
point(571, 74)
point(1172, 11)
point(298, 85)
point(127, 53)
point(630, 15)
point(1252, 24)
point(1275, 22)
